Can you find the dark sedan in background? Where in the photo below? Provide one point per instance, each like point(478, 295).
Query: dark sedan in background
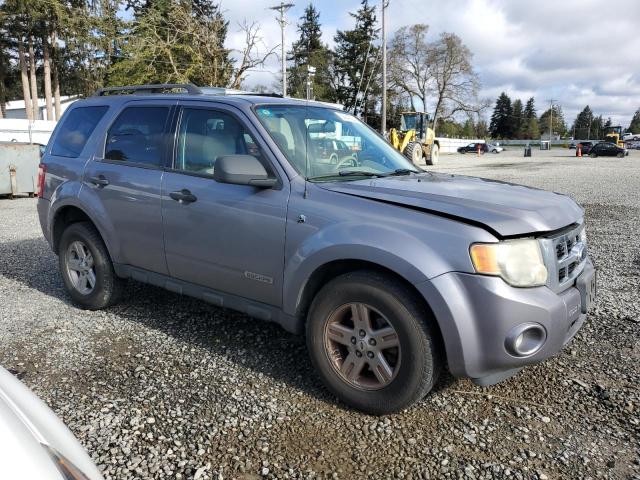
point(606, 149)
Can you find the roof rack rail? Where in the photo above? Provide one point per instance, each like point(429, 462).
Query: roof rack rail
point(148, 89)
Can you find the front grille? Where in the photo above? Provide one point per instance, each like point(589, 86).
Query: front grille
point(565, 256)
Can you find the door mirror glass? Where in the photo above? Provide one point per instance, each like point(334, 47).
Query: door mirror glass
point(242, 170)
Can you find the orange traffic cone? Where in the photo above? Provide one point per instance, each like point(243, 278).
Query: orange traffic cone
point(479, 149)
point(579, 150)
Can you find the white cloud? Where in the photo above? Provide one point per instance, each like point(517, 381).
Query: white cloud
point(576, 51)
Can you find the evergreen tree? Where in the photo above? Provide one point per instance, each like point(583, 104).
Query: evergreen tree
point(530, 122)
point(559, 126)
point(501, 125)
point(582, 124)
point(597, 128)
point(357, 63)
point(634, 126)
point(468, 129)
point(309, 50)
point(517, 120)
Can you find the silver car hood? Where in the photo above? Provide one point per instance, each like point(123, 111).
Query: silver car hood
point(503, 208)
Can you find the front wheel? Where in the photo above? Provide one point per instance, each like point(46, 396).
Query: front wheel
point(413, 152)
point(620, 155)
point(372, 342)
point(86, 268)
point(593, 155)
point(434, 154)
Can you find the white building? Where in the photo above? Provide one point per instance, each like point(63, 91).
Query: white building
point(15, 108)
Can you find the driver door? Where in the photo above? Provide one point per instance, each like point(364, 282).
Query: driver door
point(226, 237)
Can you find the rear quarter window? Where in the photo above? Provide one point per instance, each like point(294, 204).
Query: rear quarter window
point(76, 130)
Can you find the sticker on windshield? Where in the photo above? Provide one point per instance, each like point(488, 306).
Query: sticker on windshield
point(265, 112)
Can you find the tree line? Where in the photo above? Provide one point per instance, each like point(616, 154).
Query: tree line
point(66, 47)
point(510, 120)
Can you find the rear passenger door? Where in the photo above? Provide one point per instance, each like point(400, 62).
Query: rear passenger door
point(225, 237)
point(125, 180)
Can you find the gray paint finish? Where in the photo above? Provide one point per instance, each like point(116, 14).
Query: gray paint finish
point(255, 249)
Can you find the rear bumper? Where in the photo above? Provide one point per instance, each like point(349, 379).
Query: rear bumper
point(43, 215)
point(477, 313)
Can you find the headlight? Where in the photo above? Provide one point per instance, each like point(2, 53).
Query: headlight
point(517, 262)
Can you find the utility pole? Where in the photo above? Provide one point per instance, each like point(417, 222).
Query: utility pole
point(551, 121)
point(282, 20)
point(383, 112)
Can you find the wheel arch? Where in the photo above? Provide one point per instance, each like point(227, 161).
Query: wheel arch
point(67, 215)
point(326, 272)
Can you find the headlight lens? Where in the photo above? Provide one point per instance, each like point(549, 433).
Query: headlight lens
point(517, 262)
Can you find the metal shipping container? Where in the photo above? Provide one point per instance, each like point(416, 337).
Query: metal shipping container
point(18, 168)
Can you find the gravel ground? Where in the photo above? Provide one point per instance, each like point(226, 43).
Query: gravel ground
point(168, 387)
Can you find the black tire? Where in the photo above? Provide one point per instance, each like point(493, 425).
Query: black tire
point(620, 155)
point(413, 151)
point(434, 154)
point(593, 155)
point(420, 361)
point(108, 287)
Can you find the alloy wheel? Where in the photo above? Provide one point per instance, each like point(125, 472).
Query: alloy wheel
point(80, 267)
point(362, 346)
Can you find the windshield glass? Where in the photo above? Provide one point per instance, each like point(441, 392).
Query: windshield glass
point(326, 145)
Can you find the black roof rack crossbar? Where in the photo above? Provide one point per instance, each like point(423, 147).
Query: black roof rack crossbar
point(148, 89)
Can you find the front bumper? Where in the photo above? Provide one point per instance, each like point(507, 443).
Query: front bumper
point(476, 313)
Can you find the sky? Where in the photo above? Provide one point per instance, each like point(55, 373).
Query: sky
point(576, 52)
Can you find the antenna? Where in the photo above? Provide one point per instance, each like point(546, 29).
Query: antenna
point(282, 20)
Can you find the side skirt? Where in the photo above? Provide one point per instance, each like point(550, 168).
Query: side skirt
point(253, 309)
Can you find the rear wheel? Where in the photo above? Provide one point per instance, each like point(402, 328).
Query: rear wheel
point(434, 154)
point(593, 155)
point(372, 343)
point(413, 151)
point(86, 268)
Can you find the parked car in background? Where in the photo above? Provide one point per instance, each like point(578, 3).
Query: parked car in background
point(392, 273)
point(332, 150)
point(607, 149)
point(585, 147)
point(473, 148)
point(34, 443)
point(493, 148)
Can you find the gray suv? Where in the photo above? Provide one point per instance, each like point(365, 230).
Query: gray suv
point(391, 272)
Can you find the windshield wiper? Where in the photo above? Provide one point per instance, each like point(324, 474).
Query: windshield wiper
point(402, 171)
point(363, 173)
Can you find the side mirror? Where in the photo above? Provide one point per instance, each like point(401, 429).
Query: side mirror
point(242, 170)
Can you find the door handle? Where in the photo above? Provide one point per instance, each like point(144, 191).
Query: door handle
point(99, 181)
point(183, 196)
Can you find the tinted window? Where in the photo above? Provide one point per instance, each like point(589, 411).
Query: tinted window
point(76, 130)
point(206, 135)
point(137, 135)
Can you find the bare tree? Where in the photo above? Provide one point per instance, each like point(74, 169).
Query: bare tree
point(24, 75)
point(455, 81)
point(251, 54)
point(46, 60)
point(33, 81)
point(410, 58)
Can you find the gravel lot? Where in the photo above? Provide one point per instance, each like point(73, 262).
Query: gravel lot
point(168, 387)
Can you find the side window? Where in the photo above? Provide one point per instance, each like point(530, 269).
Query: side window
point(205, 135)
point(76, 130)
point(136, 136)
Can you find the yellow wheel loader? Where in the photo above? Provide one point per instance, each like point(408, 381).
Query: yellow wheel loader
point(415, 139)
point(614, 135)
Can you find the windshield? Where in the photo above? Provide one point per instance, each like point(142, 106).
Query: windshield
point(327, 145)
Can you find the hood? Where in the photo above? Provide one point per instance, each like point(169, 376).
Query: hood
point(503, 208)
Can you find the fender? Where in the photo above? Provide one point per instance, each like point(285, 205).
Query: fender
point(75, 194)
point(395, 250)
